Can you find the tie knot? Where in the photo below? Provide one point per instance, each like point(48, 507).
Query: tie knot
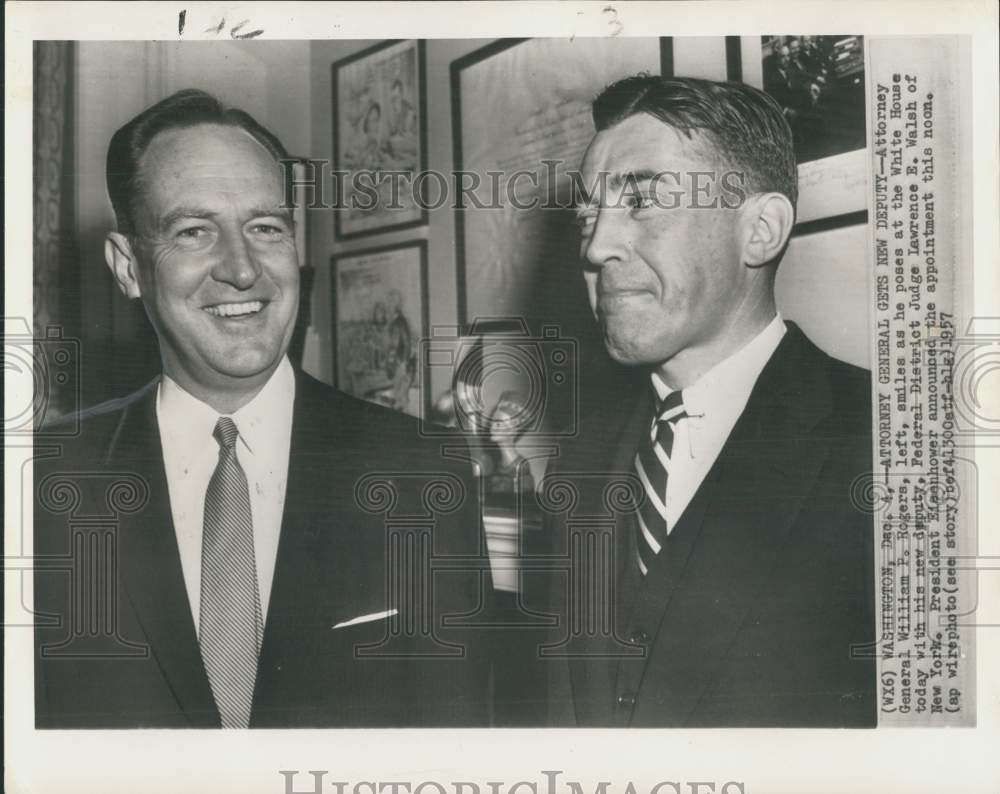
point(672, 407)
point(226, 433)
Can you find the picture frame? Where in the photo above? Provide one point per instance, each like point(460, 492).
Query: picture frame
point(379, 300)
point(528, 95)
point(833, 187)
point(296, 192)
point(380, 125)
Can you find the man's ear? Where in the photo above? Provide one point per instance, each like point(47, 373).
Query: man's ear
point(770, 217)
point(122, 263)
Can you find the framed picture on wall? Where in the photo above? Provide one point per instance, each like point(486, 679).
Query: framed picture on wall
point(380, 313)
point(521, 116)
point(819, 81)
point(379, 137)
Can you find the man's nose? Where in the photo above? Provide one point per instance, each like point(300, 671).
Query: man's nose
point(236, 264)
point(608, 239)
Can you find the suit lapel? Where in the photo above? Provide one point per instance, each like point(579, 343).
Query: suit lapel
point(610, 442)
point(150, 566)
point(642, 599)
point(298, 559)
point(628, 579)
point(323, 564)
point(695, 598)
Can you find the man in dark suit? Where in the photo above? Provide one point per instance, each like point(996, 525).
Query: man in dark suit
point(708, 564)
point(237, 544)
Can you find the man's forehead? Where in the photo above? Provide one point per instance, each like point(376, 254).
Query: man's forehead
point(641, 143)
point(206, 149)
point(206, 170)
point(208, 157)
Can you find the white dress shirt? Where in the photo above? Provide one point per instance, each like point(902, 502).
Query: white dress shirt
point(713, 404)
point(191, 453)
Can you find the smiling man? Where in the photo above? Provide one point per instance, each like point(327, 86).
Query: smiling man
point(738, 579)
point(246, 580)
point(211, 252)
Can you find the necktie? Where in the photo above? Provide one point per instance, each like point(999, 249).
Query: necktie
point(230, 622)
point(652, 464)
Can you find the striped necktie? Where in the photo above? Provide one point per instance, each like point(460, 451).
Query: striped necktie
point(230, 622)
point(652, 464)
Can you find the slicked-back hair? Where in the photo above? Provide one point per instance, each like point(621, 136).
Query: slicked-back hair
point(744, 127)
point(182, 110)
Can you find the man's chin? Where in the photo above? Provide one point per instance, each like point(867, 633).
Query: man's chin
point(633, 352)
point(627, 357)
point(248, 369)
point(238, 370)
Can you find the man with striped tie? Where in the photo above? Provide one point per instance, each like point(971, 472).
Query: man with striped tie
point(733, 584)
point(205, 554)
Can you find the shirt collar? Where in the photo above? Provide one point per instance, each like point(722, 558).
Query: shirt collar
point(729, 383)
point(190, 422)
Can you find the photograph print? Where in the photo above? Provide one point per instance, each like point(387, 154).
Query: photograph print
point(819, 83)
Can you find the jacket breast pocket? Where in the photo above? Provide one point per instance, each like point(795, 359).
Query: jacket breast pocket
point(357, 636)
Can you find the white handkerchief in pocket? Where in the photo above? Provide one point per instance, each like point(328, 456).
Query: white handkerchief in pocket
point(366, 618)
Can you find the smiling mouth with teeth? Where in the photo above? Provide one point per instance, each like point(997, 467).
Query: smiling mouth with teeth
point(235, 309)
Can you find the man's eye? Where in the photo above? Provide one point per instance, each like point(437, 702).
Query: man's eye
point(267, 230)
point(640, 202)
point(192, 233)
point(586, 220)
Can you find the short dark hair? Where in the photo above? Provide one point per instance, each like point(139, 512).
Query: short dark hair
point(745, 128)
point(182, 110)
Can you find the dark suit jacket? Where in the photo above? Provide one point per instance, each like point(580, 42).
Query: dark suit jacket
point(759, 610)
point(116, 643)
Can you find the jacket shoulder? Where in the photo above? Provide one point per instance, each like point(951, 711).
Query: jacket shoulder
point(342, 407)
point(388, 436)
point(842, 391)
point(851, 392)
point(88, 433)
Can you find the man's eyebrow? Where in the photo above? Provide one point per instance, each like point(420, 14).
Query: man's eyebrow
point(615, 181)
point(275, 212)
point(638, 175)
point(184, 213)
